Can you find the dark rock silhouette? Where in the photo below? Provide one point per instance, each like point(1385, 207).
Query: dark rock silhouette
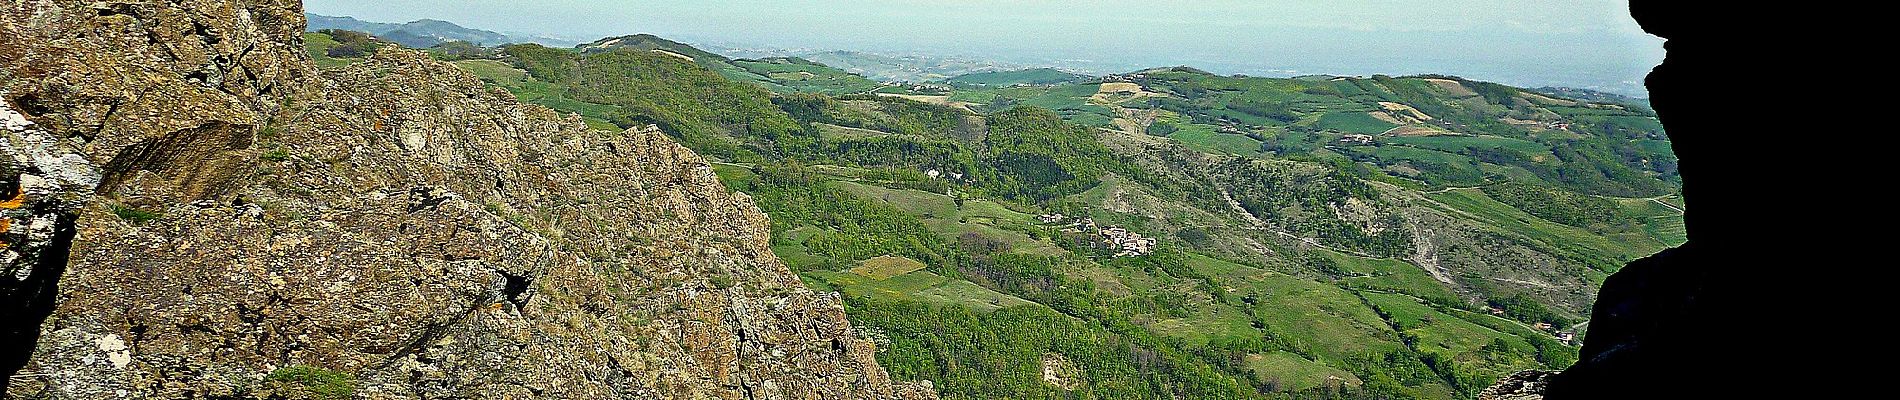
point(1670, 325)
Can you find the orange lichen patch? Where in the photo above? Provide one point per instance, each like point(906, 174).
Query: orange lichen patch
point(18, 200)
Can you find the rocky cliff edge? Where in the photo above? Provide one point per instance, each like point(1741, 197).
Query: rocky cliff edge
point(192, 210)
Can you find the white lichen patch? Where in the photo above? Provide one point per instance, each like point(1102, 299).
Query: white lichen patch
point(115, 350)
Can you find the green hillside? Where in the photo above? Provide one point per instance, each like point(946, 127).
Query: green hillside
point(1312, 238)
point(791, 74)
point(1036, 76)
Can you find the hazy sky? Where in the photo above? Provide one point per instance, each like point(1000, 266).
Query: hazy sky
point(1579, 43)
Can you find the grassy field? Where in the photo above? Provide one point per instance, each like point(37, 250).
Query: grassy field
point(1206, 139)
point(1071, 100)
point(917, 286)
point(1292, 372)
point(941, 214)
point(1658, 220)
point(797, 75)
point(318, 44)
point(1389, 275)
point(732, 172)
point(1610, 253)
point(1436, 168)
point(1317, 319)
point(1469, 345)
point(1456, 144)
point(885, 267)
point(1354, 122)
point(791, 249)
point(1207, 322)
point(1436, 331)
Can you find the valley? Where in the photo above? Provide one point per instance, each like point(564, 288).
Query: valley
point(1315, 237)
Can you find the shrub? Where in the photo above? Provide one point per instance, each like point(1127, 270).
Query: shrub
point(134, 215)
point(320, 383)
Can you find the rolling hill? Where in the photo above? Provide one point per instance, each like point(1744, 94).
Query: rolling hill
point(1036, 76)
point(1354, 237)
point(424, 33)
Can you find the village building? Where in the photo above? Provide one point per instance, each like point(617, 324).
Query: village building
point(1127, 243)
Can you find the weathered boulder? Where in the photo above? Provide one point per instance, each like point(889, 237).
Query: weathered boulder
point(393, 229)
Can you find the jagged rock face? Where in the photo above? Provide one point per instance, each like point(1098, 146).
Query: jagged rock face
point(395, 221)
point(1526, 385)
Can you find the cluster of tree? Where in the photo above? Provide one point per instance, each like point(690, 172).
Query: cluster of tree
point(1305, 200)
point(705, 111)
point(1522, 307)
point(879, 113)
point(1277, 111)
point(1585, 166)
point(998, 355)
point(352, 44)
point(455, 50)
point(1163, 128)
point(853, 228)
point(1558, 206)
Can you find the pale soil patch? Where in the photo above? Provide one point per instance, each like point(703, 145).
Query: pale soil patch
point(1415, 130)
point(1388, 118)
point(1135, 121)
point(1453, 87)
point(1405, 111)
point(794, 76)
point(1059, 371)
point(1120, 87)
point(1547, 99)
point(1519, 122)
point(676, 55)
point(1118, 92)
point(938, 100)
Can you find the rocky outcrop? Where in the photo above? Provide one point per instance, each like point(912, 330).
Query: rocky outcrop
point(1526, 385)
point(395, 225)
